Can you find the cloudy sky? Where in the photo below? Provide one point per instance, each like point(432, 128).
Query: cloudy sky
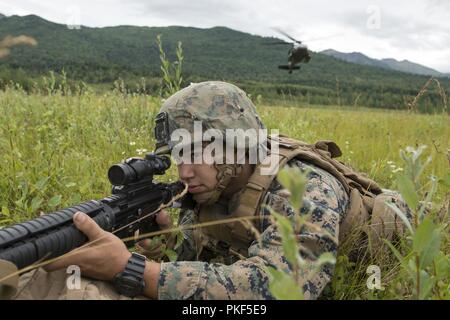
point(416, 30)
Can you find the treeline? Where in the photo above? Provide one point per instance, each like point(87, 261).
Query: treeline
point(260, 92)
point(102, 56)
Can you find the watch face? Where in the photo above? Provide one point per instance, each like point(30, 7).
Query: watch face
point(128, 286)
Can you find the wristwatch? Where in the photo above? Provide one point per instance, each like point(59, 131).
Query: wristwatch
point(130, 282)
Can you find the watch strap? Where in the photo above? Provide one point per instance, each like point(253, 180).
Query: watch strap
point(136, 265)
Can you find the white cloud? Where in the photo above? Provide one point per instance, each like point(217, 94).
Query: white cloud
point(417, 30)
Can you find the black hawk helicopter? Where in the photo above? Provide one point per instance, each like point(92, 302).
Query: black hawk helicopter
point(297, 53)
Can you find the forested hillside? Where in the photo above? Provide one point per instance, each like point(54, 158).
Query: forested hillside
point(102, 55)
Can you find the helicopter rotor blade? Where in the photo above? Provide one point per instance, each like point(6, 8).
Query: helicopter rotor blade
point(286, 35)
point(277, 43)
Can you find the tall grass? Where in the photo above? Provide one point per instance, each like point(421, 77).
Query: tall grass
point(55, 149)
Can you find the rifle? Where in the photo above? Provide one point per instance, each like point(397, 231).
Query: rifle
point(134, 195)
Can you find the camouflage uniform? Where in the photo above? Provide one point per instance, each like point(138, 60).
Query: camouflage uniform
point(214, 273)
point(246, 278)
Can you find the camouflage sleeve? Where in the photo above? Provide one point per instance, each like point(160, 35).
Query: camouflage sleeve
point(248, 278)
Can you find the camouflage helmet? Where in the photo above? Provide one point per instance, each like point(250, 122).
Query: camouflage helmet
point(219, 106)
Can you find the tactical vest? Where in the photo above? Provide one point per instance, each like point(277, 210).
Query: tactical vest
point(366, 208)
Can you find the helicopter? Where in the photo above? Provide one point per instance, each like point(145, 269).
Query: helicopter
point(297, 53)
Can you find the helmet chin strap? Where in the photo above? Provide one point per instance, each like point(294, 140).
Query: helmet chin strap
point(225, 172)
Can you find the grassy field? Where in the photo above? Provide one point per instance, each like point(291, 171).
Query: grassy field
point(55, 150)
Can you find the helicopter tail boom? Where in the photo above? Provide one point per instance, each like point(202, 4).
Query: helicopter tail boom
point(287, 67)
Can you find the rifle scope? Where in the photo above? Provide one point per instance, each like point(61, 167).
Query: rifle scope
point(134, 169)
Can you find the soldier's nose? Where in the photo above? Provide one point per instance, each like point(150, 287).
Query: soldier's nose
point(186, 172)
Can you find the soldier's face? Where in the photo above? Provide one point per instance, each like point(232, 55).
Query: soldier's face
point(200, 177)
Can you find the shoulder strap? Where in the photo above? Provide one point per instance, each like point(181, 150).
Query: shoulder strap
point(288, 149)
point(256, 188)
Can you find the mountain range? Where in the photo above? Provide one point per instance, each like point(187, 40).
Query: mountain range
point(102, 55)
point(388, 63)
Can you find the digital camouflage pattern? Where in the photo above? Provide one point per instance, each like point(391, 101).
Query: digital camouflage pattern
point(231, 277)
point(219, 105)
point(216, 105)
